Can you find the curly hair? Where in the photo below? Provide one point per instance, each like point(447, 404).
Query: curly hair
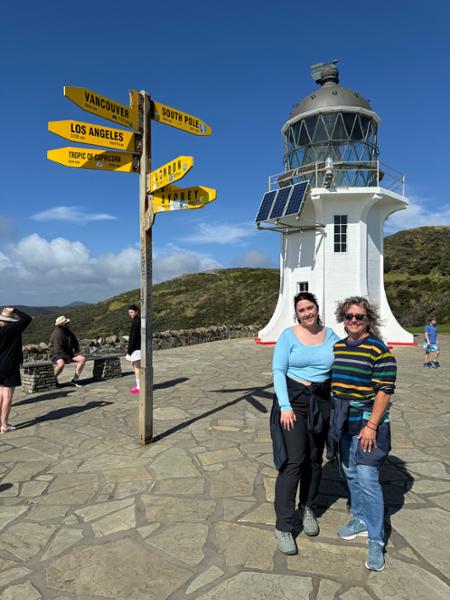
point(373, 318)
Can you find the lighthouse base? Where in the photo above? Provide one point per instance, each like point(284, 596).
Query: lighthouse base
point(336, 260)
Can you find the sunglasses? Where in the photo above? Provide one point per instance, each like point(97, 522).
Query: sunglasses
point(350, 316)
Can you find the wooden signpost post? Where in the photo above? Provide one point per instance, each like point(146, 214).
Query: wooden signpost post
point(156, 192)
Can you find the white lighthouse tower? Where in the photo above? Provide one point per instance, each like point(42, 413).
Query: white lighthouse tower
point(330, 205)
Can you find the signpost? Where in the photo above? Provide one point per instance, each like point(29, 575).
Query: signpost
point(179, 119)
point(145, 426)
point(172, 171)
point(103, 160)
point(103, 106)
point(155, 193)
point(175, 198)
point(96, 135)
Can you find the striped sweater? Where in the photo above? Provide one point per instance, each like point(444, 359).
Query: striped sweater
point(359, 371)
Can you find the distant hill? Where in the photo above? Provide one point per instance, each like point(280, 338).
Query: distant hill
point(76, 304)
point(418, 251)
point(417, 274)
point(249, 296)
point(40, 311)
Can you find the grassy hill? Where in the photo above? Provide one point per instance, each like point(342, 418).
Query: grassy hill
point(417, 281)
point(222, 297)
point(417, 274)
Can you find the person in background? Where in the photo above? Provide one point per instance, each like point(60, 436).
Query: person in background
point(362, 382)
point(12, 323)
point(301, 370)
point(134, 345)
point(65, 349)
point(431, 343)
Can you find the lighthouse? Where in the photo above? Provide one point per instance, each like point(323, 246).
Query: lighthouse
point(329, 206)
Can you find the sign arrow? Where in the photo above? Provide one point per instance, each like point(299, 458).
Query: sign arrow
point(179, 119)
point(96, 135)
point(103, 106)
point(174, 198)
point(102, 160)
point(170, 172)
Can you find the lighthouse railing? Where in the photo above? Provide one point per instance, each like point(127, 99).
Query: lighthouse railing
point(345, 174)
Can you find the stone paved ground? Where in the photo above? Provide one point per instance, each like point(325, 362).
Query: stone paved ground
point(85, 512)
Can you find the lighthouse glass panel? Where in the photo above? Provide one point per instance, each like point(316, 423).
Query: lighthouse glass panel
point(347, 138)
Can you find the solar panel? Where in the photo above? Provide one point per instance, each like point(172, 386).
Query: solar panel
point(280, 202)
point(297, 198)
point(266, 205)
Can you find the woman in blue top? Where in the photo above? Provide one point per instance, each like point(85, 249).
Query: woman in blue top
point(301, 370)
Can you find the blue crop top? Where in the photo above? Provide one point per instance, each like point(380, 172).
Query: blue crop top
point(293, 359)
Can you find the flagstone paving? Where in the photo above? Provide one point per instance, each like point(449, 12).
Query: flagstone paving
point(88, 513)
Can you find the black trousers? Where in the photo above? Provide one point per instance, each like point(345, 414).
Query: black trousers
point(303, 465)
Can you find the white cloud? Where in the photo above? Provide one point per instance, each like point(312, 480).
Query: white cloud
point(71, 214)
point(417, 215)
point(254, 258)
point(220, 233)
point(36, 271)
point(174, 261)
point(4, 261)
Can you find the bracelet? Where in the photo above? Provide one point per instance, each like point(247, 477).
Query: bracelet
point(372, 428)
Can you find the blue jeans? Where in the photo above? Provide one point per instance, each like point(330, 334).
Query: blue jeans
point(365, 489)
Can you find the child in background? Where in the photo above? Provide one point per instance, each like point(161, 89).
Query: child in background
point(431, 343)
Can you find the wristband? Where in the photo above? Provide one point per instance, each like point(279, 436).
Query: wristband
point(372, 428)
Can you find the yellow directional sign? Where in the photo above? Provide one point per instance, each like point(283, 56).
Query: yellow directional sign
point(170, 172)
point(103, 106)
point(179, 119)
point(97, 135)
point(103, 160)
point(174, 198)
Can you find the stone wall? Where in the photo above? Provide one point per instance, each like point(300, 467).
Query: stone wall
point(162, 340)
point(38, 378)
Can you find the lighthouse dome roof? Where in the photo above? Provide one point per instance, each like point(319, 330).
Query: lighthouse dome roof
point(330, 95)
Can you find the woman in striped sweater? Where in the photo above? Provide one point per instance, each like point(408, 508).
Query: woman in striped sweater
point(362, 382)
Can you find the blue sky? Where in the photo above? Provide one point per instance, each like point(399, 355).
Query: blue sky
point(72, 234)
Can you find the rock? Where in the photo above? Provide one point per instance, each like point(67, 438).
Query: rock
point(21, 591)
point(102, 571)
point(262, 586)
point(245, 547)
point(403, 581)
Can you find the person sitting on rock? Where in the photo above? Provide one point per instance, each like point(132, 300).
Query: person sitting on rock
point(65, 349)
